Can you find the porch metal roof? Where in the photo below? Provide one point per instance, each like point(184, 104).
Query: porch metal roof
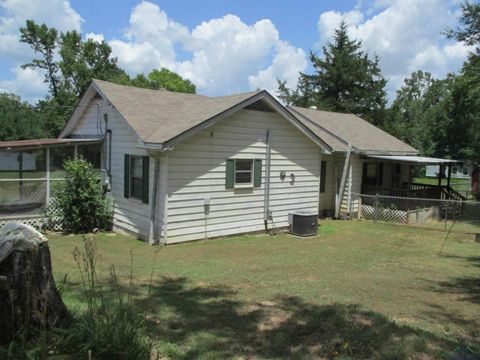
point(8, 145)
point(419, 160)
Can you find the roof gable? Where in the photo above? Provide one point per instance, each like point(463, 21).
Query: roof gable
point(338, 130)
point(162, 118)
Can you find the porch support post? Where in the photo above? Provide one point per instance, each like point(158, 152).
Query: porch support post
point(20, 173)
point(440, 172)
point(449, 174)
point(153, 237)
point(47, 168)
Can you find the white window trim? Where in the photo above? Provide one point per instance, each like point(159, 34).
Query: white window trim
point(130, 176)
point(251, 171)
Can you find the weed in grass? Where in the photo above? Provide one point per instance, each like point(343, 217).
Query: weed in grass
point(108, 329)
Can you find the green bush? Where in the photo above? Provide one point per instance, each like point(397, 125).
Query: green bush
point(82, 203)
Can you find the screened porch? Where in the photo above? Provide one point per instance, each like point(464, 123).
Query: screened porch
point(30, 170)
point(392, 176)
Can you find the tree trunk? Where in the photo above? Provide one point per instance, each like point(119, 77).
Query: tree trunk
point(29, 300)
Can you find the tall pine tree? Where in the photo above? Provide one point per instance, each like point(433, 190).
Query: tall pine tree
point(345, 80)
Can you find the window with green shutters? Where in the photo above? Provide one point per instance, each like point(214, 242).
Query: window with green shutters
point(243, 173)
point(136, 177)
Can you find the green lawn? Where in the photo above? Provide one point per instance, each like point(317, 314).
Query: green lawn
point(357, 290)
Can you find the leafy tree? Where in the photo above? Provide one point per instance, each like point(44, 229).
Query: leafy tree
point(171, 81)
point(410, 110)
point(470, 19)
point(465, 115)
point(345, 80)
point(19, 120)
point(83, 60)
point(464, 130)
point(163, 79)
point(43, 40)
point(78, 62)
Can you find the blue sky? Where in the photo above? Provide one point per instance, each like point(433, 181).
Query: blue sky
point(233, 46)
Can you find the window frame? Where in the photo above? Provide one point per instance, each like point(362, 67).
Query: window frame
point(251, 172)
point(378, 179)
point(131, 176)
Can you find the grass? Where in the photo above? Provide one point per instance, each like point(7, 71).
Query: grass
point(357, 290)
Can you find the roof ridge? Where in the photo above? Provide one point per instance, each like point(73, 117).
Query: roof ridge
point(327, 111)
point(99, 82)
point(320, 126)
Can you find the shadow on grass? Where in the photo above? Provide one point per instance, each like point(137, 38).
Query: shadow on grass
point(192, 321)
point(467, 288)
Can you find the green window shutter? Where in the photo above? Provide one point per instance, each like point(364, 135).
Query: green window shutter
point(229, 174)
point(323, 174)
point(145, 179)
point(257, 173)
point(126, 177)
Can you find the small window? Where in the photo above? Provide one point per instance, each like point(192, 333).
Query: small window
point(243, 171)
point(136, 177)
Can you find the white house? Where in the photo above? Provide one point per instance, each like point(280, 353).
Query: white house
point(184, 167)
point(460, 171)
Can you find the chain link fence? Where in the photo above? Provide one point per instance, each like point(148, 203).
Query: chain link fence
point(29, 201)
point(445, 215)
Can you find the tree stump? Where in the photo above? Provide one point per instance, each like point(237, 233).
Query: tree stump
point(29, 300)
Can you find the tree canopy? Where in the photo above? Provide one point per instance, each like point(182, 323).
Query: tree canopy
point(442, 117)
point(19, 120)
point(70, 62)
point(345, 79)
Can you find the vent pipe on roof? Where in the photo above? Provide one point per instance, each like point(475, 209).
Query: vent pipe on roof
point(313, 107)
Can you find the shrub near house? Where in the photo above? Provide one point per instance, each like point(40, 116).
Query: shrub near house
point(81, 199)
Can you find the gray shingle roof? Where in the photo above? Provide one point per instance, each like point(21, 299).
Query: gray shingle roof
point(159, 115)
point(338, 129)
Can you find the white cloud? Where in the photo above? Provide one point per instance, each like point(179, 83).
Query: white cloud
point(94, 37)
point(405, 34)
point(286, 64)
point(27, 82)
point(226, 55)
point(55, 13)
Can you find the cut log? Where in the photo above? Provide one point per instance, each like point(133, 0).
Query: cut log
point(29, 299)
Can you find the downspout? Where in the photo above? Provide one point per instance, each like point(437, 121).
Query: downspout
point(153, 210)
point(266, 199)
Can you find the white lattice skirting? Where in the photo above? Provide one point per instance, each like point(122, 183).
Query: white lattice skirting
point(418, 216)
point(42, 221)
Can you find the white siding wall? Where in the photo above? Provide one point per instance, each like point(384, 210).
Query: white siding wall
point(130, 215)
point(196, 171)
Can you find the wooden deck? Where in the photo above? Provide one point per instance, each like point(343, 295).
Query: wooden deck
point(415, 191)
